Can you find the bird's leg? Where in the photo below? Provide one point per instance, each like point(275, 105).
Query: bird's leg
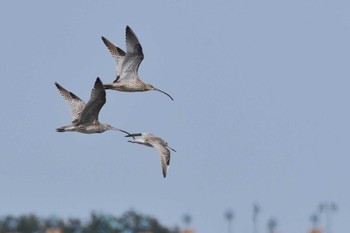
point(116, 80)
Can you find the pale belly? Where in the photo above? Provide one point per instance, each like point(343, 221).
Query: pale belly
point(89, 129)
point(126, 86)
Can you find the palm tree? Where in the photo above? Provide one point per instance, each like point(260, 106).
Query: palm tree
point(256, 210)
point(314, 220)
point(328, 209)
point(187, 219)
point(229, 215)
point(271, 225)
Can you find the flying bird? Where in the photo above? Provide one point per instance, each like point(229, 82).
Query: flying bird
point(85, 116)
point(127, 66)
point(159, 144)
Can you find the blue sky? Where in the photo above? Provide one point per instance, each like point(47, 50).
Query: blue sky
point(260, 114)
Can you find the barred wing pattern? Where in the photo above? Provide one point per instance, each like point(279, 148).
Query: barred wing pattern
point(133, 56)
point(163, 151)
point(118, 55)
point(76, 105)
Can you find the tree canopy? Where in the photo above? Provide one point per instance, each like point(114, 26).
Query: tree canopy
point(129, 222)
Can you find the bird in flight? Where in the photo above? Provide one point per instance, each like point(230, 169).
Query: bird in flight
point(159, 144)
point(127, 66)
point(85, 116)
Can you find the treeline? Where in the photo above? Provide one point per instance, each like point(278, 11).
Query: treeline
point(129, 222)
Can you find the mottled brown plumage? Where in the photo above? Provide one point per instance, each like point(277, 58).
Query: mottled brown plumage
point(85, 116)
point(127, 66)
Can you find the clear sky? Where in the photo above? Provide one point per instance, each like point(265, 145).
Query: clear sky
point(261, 110)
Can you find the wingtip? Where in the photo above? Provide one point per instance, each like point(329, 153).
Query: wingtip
point(105, 40)
point(58, 86)
point(129, 30)
point(98, 80)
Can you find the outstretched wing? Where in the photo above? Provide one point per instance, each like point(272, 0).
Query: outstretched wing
point(76, 105)
point(96, 102)
point(133, 56)
point(163, 152)
point(118, 55)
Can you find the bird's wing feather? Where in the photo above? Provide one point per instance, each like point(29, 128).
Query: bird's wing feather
point(96, 102)
point(133, 56)
point(163, 152)
point(76, 105)
point(117, 53)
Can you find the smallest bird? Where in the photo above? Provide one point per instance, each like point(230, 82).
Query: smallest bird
point(159, 144)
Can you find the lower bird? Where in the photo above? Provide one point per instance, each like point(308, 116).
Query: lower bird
point(85, 116)
point(159, 144)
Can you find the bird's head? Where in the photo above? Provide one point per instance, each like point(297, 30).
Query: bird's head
point(149, 87)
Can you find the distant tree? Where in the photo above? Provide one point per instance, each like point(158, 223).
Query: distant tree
point(314, 220)
point(133, 222)
point(100, 223)
point(271, 225)
point(327, 209)
point(8, 224)
point(187, 219)
point(156, 227)
point(256, 211)
point(28, 223)
point(53, 222)
point(129, 222)
point(73, 225)
point(229, 215)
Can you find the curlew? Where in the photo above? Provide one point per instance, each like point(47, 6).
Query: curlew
point(85, 116)
point(159, 144)
point(127, 66)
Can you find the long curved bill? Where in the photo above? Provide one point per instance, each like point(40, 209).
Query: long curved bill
point(171, 149)
point(163, 93)
point(128, 134)
point(133, 135)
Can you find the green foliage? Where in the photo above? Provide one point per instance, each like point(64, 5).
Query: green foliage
point(8, 224)
point(129, 222)
point(101, 223)
point(28, 223)
point(134, 222)
point(73, 225)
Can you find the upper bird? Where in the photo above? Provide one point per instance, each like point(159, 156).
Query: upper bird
point(159, 144)
point(127, 65)
point(85, 116)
